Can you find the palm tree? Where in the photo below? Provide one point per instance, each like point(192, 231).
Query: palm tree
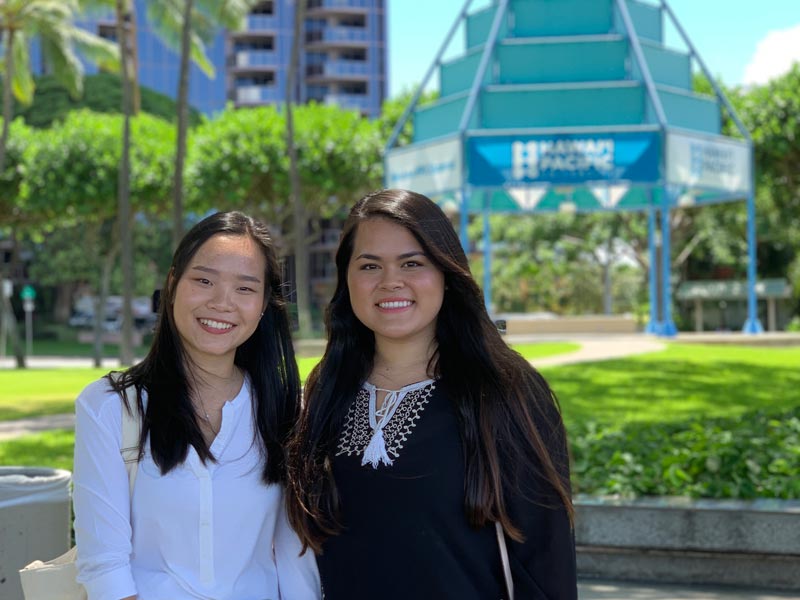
point(199, 20)
point(52, 23)
point(299, 220)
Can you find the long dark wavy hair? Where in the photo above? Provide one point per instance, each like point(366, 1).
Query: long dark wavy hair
point(509, 420)
point(169, 419)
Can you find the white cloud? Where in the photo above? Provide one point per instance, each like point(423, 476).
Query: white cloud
point(774, 56)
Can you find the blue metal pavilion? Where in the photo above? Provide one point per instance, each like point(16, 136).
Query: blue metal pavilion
point(576, 105)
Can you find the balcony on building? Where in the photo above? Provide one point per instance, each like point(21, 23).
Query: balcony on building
point(321, 8)
point(338, 70)
point(337, 36)
point(359, 102)
point(249, 59)
point(261, 23)
point(257, 94)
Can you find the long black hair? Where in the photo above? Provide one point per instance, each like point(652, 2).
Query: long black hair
point(267, 357)
point(508, 416)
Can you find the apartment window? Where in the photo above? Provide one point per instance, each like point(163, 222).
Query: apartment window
point(107, 31)
point(354, 88)
point(353, 54)
point(353, 21)
point(264, 8)
point(247, 45)
point(256, 79)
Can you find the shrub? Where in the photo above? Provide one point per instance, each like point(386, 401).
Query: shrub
point(754, 456)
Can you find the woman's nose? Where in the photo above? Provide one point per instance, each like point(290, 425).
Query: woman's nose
point(221, 299)
point(391, 280)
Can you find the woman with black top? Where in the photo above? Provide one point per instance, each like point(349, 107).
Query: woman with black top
point(422, 428)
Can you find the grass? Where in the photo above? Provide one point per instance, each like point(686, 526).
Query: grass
point(35, 392)
point(49, 449)
point(682, 383)
point(73, 348)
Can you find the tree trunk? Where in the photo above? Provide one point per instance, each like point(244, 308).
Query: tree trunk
point(124, 216)
point(8, 106)
point(299, 217)
point(100, 303)
point(183, 124)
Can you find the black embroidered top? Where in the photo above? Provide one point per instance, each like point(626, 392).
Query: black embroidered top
point(406, 531)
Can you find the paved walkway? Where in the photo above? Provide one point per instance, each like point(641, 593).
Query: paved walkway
point(613, 590)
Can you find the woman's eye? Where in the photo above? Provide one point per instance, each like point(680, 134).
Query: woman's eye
point(412, 263)
point(203, 280)
point(368, 267)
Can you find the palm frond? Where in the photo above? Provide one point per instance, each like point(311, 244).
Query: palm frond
point(22, 82)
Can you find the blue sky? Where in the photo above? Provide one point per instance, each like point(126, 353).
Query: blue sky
point(741, 41)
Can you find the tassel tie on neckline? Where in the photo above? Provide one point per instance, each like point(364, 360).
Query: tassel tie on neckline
point(375, 453)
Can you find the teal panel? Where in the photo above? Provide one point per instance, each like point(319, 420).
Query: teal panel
point(690, 111)
point(646, 20)
point(479, 24)
point(537, 62)
point(439, 118)
point(572, 107)
point(667, 67)
point(561, 17)
point(637, 198)
point(457, 75)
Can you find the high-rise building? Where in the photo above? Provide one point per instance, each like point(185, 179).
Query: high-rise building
point(342, 58)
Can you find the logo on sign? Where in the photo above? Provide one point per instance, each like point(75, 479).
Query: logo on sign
point(533, 159)
point(711, 160)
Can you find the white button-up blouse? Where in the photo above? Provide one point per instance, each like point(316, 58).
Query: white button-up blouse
point(210, 531)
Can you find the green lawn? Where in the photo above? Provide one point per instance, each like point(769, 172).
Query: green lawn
point(681, 383)
point(28, 393)
point(679, 421)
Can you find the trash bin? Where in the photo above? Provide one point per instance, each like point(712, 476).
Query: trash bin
point(34, 521)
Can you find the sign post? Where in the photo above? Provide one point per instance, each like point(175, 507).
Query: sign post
point(7, 290)
point(28, 295)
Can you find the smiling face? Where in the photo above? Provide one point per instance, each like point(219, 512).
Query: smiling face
point(395, 289)
point(219, 299)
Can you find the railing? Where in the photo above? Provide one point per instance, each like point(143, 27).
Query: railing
point(256, 94)
point(261, 22)
point(338, 34)
point(255, 58)
point(312, 4)
point(356, 101)
point(339, 68)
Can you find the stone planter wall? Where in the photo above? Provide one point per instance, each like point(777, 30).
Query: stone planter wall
point(683, 541)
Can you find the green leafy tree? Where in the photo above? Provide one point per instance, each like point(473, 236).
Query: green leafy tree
point(74, 176)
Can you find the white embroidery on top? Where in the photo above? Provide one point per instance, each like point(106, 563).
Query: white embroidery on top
point(357, 432)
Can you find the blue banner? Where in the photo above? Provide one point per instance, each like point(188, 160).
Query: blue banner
point(563, 159)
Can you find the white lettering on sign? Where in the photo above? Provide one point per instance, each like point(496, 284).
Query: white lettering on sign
point(572, 156)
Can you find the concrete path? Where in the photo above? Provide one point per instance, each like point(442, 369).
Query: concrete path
point(614, 590)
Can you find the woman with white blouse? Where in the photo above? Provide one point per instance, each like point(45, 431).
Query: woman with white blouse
point(216, 395)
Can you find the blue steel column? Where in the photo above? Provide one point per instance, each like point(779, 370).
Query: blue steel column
point(752, 325)
point(487, 253)
point(654, 325)
point(463, 220)
point(668, 328)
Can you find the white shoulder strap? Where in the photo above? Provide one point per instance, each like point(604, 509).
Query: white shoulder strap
point(131, 430)
point(501, 543)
